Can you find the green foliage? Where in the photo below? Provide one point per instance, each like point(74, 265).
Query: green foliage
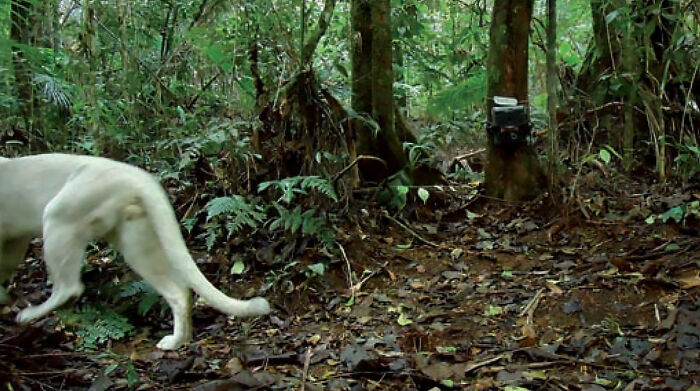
point(308, 223)
point(120, 364)
point(680, 214)
point(605, 155)
point(300, 185)
point(465, 175)
point(423, 194)
point(238, 212)
point(311, 222)
point(238, 267)
point(54, 90)
point(460, 98)
point(688, 161)
point(145, 294)
point(233, 213)
point(429, 143)
point(317, 268)
point(96, 326)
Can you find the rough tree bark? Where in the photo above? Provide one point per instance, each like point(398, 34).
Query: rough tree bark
point(312, 42)
point(89, 48)
point(372, 88)
point(630, 49)
point(512, 172)
point(22, 15)
point(552, 79)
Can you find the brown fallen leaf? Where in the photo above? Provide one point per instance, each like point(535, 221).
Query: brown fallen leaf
point(527, 342)
point(234, 366)
point(554, 229)
point(622, 264)
point(689, 279)
point(652, 266)
point(554, 288)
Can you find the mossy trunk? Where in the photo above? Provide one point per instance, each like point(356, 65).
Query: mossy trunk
point(362, 70)
point(372, 89)
point(512, 172)
point(22, 13)
point(387, 144)
point(89, 49)
point(552, 82)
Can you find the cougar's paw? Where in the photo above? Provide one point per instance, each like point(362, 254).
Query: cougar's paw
point(28, 315)
point(258, 306)
point(169, 342)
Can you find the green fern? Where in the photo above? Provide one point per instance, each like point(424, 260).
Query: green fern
point(307, 223)
point(148, 297)
point(460, 96)
point(54, 90)
point(236, 214)
point(210, 236)
point(292, 186)
point(239, 213)
point(97, 326)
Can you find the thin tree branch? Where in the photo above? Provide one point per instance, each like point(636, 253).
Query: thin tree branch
point(312, 42)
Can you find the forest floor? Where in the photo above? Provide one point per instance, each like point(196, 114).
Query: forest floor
point(516, 297)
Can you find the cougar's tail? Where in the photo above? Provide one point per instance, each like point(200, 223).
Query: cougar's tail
point(162, 216)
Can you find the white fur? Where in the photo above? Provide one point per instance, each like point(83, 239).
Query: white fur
point(71, 200)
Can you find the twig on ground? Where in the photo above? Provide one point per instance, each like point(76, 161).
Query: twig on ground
point(356, 288)
point(484, 363)
point(347, 263)
point(354, 162)
point(467, 155)
point(470, 154)
point(305, 372)
point(409, 230)
point(520, 367)
point(531, 306)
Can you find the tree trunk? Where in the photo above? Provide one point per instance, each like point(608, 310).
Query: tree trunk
point(512, 172)
point(552, 70)
point(629, 63)
point(372, 89)
point(127, 69)
point(312, 42)
point(22, 14)
point(90, 81)
point(388, 145)
point(362, 67)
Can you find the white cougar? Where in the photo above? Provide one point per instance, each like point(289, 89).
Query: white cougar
point(71, 200)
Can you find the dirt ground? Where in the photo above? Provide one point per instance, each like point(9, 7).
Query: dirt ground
point(461, 293)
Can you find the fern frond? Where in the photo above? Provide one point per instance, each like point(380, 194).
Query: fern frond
point(300, 185)
point(223, 205)
point(134, 288)
point(239, 213)
point(53, 89)
point(322, 185)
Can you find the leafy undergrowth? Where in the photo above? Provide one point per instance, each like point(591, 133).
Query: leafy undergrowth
point(481, 296)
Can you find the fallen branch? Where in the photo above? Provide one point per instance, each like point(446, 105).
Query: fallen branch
point(521, 367)
point(305, 372)
point(470, 154)
point(484, 363)
point(347, 263)
point(354, 163)
point(409, 230)
point(531, 306)
point(358, 286)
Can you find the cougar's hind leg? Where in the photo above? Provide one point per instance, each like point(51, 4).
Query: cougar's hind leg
point(142, 250)
point(11, 254)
